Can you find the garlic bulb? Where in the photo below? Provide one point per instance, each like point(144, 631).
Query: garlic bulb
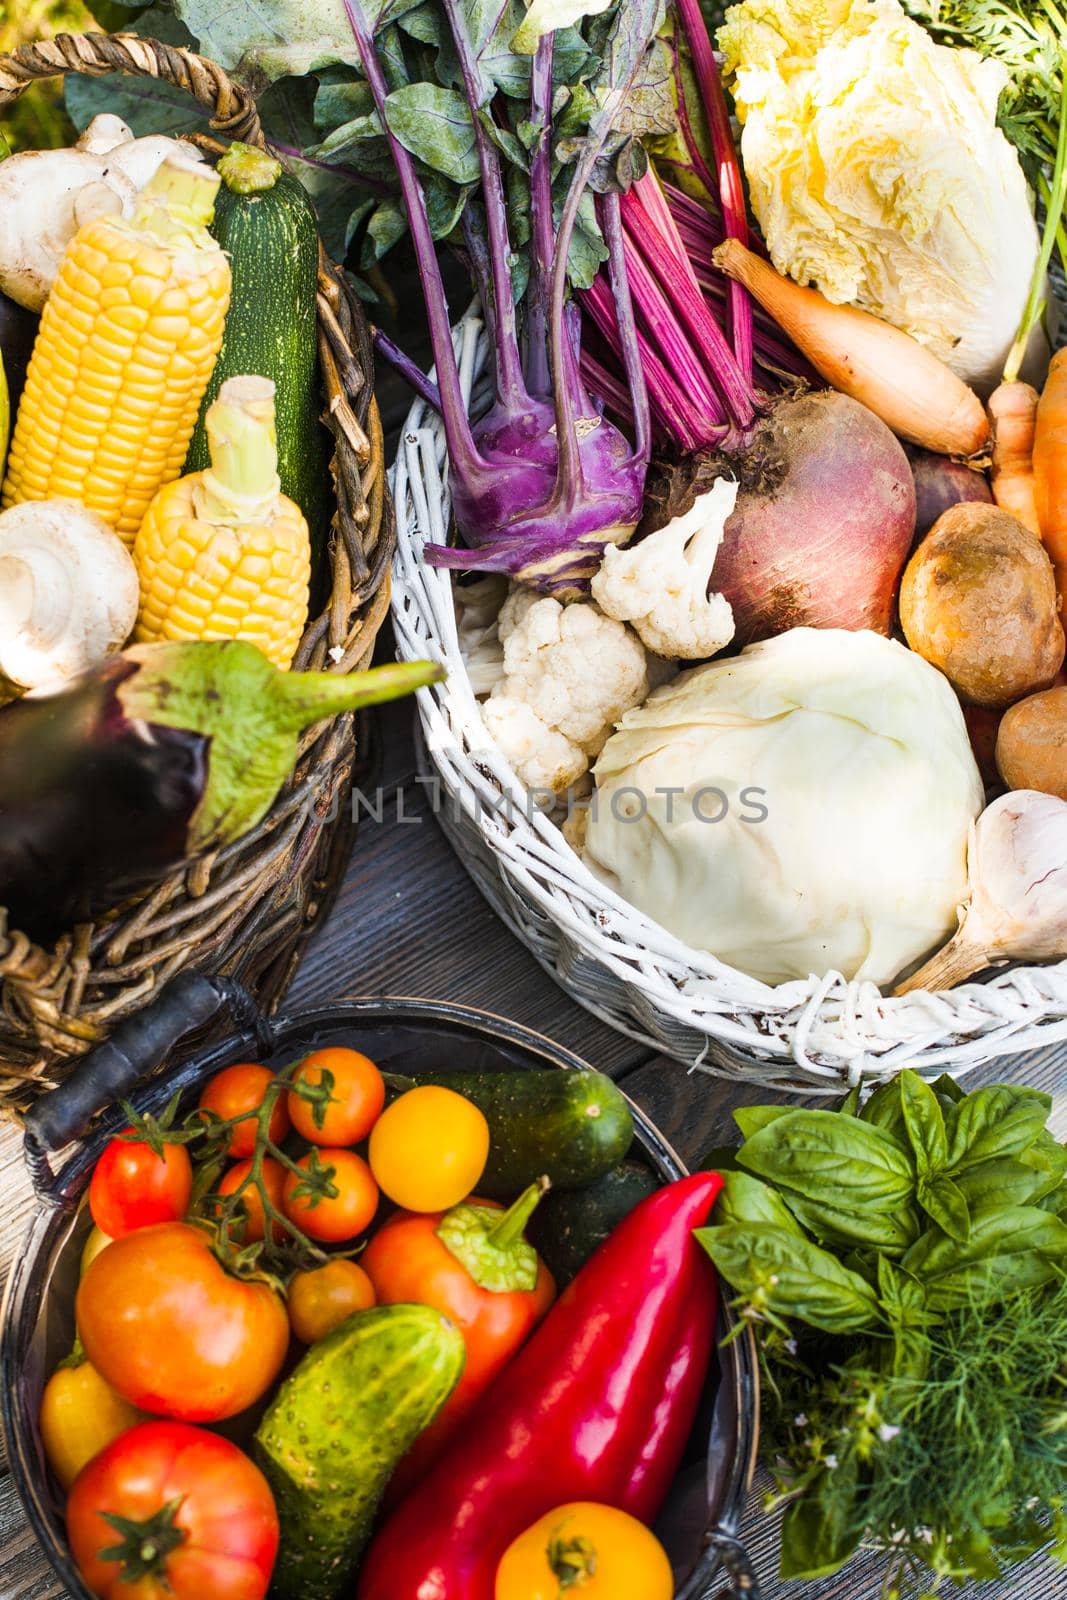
point(68, 592)
point(1018, 892)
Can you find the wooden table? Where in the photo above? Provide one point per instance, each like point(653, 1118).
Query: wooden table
point(408, 921)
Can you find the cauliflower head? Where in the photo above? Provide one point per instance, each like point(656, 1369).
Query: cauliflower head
point(661, 585)
point(570, 673)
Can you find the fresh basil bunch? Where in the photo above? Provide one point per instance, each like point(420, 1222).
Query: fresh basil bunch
point(906, 1262)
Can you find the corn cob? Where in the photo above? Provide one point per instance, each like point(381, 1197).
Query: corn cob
point(223, 554)
point(126, 346)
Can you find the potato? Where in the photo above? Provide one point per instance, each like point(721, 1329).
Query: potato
point(979, 602)
point(1032, 744)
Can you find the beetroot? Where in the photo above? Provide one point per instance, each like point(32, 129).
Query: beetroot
point(820, 536)
point(940, 483)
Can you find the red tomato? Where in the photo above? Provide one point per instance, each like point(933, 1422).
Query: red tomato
point(334, 1218)
point(238, 1092)
point(357, 1095)
point(202, 1514)
point(173, 1332)
point(273, 1176)
point(132, 1187)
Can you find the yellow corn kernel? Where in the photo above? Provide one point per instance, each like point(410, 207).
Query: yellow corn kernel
point(126, 346)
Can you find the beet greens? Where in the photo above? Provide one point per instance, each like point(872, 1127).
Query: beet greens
point(541, 481)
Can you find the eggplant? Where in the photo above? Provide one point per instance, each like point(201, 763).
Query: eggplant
point(18, 330)
point(156, 755)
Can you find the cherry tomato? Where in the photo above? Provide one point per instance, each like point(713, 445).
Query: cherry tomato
point(429, 1148)
point(603, 1553)
point(238, 1092)
point(273, 1176)
point(320, 1300)
point(334, 1218)
point(199, 1518)
point(357, 1095)
point(132, 1187)
point(173, 1332)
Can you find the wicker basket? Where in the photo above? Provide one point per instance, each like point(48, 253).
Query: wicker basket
point(809, 1037)
point(246, 909)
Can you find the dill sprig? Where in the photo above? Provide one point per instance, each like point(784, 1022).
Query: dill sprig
point(958, 1470)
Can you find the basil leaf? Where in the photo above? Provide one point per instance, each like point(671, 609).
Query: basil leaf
point(745, 1199)
point(850, 1105)
point(999, 1121)
point(903, 1300)
point(1007, 1182)
point(924, 1123)
point(788, 1275)
point(822, 1529)
point(947, 1089)
point(1009, 1248)
point(751, 1119)
point(946, 1203)
point(892, 1231)
point(884, 1110)
point(838, 1160)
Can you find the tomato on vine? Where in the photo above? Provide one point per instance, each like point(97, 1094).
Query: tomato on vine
point(134, 1185)
point(350, 1098)
point(239, 1092)
point(333, 1197)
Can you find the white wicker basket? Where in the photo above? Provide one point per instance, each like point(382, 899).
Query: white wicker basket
point(810, 1037)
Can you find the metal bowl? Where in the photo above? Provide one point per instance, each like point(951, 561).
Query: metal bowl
point(700, 1523)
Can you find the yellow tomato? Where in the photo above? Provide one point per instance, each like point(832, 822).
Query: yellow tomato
point(80, 1416)
point(429, 1148)
point(322, 1298)
point(98, 1240)
point(593, 1552)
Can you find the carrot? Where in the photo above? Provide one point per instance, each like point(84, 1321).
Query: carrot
point(1050, 469)
point(1013, 412)
point(888, 371)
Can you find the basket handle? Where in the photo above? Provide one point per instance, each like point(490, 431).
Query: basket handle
point(744, 1584)
point(114, 1068)
point(233, 111)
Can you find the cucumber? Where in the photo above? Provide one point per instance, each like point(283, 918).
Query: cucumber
point(266, 223)
point(569, 1126)
point(570, 1225)
point(335, 1431)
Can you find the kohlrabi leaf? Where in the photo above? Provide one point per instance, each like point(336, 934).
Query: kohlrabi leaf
point(545, 16)
point(386, 226)
point(148, 105)
point(435, 125)
point(260, 43)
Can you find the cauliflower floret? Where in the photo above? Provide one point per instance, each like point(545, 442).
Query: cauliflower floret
point(479, 607)
point(570, 673)
point(660, 585)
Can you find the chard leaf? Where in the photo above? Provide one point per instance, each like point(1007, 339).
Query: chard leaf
point(435, 125)
point(147, 105)
point(649, 106)
point(546, 16)
point(1002, 1120)
point(259, 44)
point(836, 1160)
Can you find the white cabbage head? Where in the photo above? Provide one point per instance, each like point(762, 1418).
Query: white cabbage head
point(849, 788)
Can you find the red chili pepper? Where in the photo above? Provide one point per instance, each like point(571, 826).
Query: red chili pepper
point(597, 1406)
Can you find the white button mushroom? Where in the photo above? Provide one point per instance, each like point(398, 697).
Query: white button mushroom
point(68, 592)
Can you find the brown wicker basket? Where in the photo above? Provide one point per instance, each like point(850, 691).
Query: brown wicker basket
point(246, 909)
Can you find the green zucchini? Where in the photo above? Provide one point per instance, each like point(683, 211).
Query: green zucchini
point(569, 1225)
point(335, 1431)
point(569, 1126)
point(266, 223)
